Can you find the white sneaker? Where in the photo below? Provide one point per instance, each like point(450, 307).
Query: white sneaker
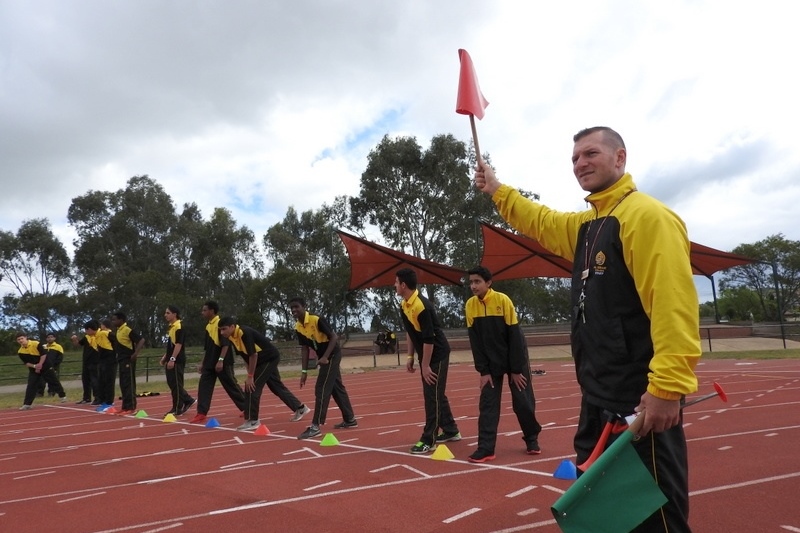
point(249, 425)
point(300, 413)
point(64, 399)
point(25, 407)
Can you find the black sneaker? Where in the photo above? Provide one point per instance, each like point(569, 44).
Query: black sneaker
point(83, 402)
point(310, 432)
point(448, 437)
point(421, 447)
point(185, 407)
point(172, 412)
point(533, 448)
point(344, 425)
point(96, 402)
point(481, 456)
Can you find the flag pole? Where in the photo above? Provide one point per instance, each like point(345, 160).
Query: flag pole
point(475, 138)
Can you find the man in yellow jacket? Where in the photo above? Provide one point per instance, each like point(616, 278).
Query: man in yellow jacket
point(635, 321)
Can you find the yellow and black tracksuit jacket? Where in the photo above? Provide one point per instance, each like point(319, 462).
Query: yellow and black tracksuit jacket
point(125, 341)
point(246, 341)
point(103, 342)
point(423, 326)
point(175, 335)
point(315, 332)
point(31, 353)
point(639, 326)
point(498, 346)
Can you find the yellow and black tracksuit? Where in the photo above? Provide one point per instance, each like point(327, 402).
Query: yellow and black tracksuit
point(635, 323)
point(423, 327)
point(89, 376)
point(106, 366)
point(180, 398)
point(499, 349)
point(125, 342)
point(248, 342)
point(31, 355)
point(55, 355)
point(208, 371)
point(315, 333)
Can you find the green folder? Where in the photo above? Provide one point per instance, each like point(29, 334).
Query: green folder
point(614, 495)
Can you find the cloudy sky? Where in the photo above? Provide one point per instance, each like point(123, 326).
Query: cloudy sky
point(261, 105)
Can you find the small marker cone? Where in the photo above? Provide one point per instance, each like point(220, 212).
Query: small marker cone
point(141, 414)
point(566, 470)
point(262, 430)
point(442, 453)
point(170, 418)
point(212, 423)
point(329, 440)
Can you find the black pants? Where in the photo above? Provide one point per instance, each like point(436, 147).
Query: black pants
point(329, 385)
point(127, 383)
point(664, 454)
point(437, 407)
point(208, 379)
point(180, 398)
point(55, 361)
point(49, 376)
point(106, 379)
point(267, 374)
point(523, 403)
point(89, 379)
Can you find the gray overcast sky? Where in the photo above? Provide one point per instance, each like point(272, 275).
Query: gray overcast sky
point(256, 106)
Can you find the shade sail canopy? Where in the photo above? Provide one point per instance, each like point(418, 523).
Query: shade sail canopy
point(373, 265)
point(511, 256)
point(706, 261)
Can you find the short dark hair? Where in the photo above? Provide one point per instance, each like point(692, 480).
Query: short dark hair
point(106, 322)
point(212, 306)
point(407, 276)
point(120, 315)
point(19, 334)
point(610, 136)
point(299, 300)
point(92, 324)
point(174, 309)
point(49, 333)
point(481, 271)
point(227, 321)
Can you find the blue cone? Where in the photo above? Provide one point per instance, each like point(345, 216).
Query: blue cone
point(566, 470)
point(212, 423)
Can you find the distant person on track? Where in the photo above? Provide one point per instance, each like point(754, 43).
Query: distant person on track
point(424, 336)
point(635, 325)
point(262, 359)
point(174, 362)
point(217, 363)
point(127, 344)
point(107, 363)
point(55, 355)
point(499, 350)
point(89, 363)
point(314, 333)
point(34, 356)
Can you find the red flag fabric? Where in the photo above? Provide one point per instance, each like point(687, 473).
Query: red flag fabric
point(470, 99)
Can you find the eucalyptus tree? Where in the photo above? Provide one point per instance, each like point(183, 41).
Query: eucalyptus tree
point(760, 277)
point(35, 264)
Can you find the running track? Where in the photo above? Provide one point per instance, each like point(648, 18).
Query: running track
point(71, 469)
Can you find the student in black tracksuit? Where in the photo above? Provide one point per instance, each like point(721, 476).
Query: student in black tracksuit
point(314, 333)
point(127, 344)
point(174, 362)
point(89, 363)
point(426, 338)
point(262, 359)
point(217, 364)
point(55, 355)
point(107, 365)
point(499, 349)
point(34, 356)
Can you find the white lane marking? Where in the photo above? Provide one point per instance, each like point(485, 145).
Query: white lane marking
point(461, 515)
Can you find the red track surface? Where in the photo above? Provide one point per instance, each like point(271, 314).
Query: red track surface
point(71, 469)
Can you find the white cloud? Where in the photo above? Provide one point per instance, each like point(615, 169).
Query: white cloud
point(256, 106)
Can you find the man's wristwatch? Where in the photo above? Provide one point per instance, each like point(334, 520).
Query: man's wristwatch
point(172, 359)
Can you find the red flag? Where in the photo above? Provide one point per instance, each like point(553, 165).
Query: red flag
point(470, 99)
